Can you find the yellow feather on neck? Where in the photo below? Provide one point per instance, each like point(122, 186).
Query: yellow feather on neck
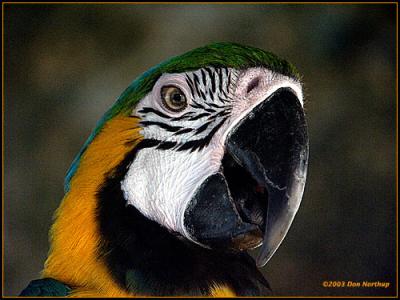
point(73, 257)
point(75, 234)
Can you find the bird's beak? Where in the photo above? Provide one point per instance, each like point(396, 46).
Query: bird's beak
point(271, 143)
point(256, 194)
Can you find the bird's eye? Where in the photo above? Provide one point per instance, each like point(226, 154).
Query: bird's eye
point(173, 98)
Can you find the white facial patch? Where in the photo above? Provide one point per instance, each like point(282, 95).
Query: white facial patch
point(160, 182)
point(189, 145)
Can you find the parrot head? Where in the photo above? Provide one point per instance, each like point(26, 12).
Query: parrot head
point(210, 147)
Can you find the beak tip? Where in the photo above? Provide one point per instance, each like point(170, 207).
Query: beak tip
point(262, 260)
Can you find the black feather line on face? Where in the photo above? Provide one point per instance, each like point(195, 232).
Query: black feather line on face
point(194, 104)
point(202, 128)
point(189, 82)
point(196, 84)
point(146, 110)
point(229, 81)
point(162, 125)
point(218, 115)
point(145, 258)
point(191, 145)
point(182, 131)
point(203, 95)
point(201, 143)
point(183, 117)
point(224, 93)
point(166, 145)
point(220, 79)
point(211, 95)
point(223, 100)
point(212, 78)
point(208, 138)
point(209, 110)
point(216, 106)
point(199, 116)
point(203, 76)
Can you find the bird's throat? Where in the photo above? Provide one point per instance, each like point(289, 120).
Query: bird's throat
point(147, 259)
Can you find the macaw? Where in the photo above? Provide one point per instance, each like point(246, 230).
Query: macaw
point(201, 158)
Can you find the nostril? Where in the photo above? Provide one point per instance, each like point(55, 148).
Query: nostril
point(253, 84)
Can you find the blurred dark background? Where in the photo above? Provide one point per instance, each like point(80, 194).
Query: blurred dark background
point(66, 64)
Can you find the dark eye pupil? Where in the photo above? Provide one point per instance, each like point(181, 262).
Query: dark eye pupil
point(176, 97)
